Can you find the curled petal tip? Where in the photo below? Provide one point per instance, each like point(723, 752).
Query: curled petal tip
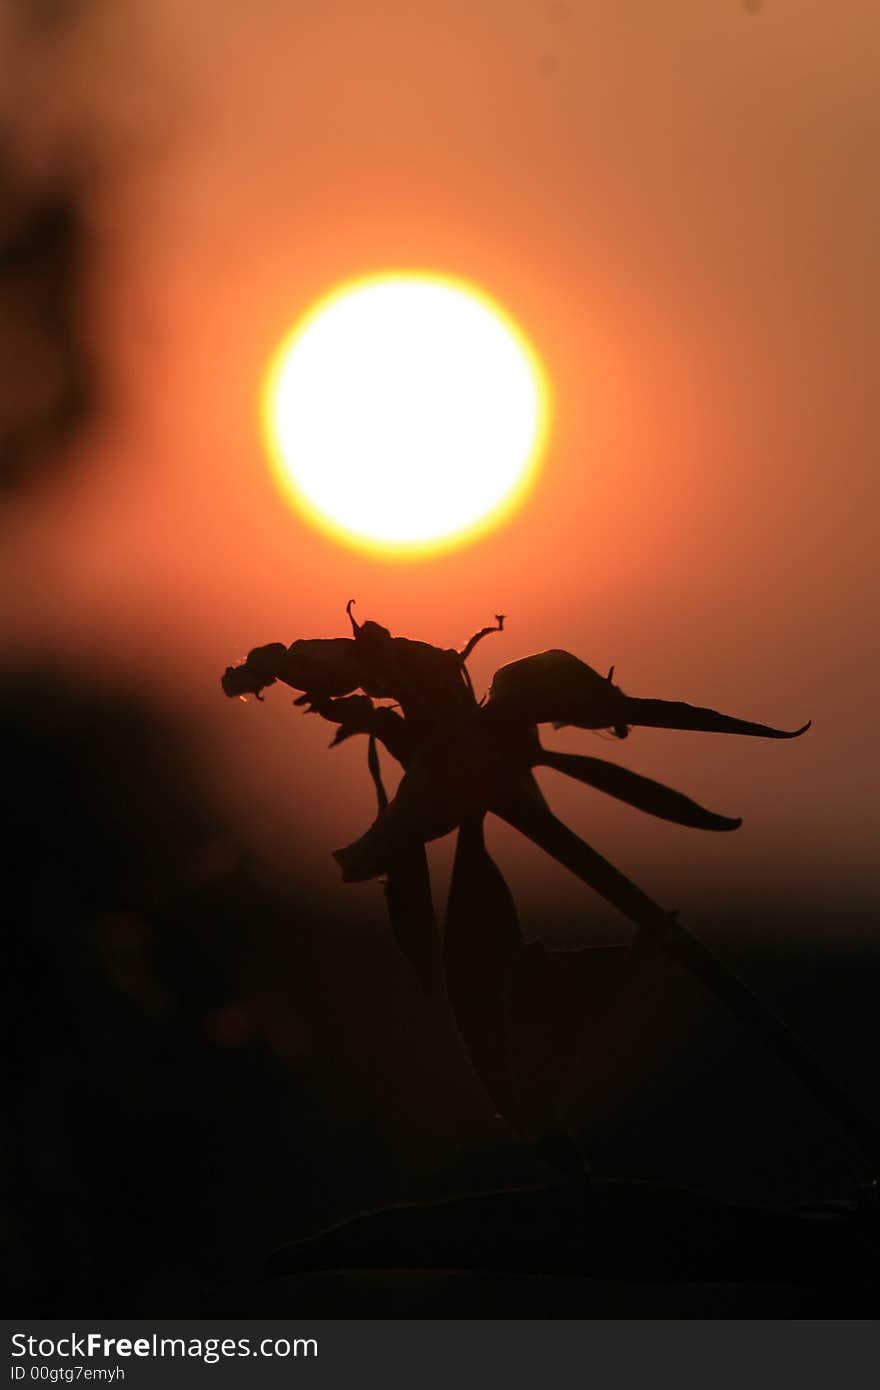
point(673, 714)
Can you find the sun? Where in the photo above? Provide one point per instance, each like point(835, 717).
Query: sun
point(406, 413)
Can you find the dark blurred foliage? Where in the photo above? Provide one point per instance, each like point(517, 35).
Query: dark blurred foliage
point(47, 383)
point(175, 1106)
point(122, 950)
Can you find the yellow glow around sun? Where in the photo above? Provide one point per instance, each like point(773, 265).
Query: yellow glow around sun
point(406, 413)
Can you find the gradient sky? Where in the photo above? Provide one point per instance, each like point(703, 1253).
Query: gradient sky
point(679, 203)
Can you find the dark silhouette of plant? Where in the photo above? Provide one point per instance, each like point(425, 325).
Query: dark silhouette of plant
point(463, 758)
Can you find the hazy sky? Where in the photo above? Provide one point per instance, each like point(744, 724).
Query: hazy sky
point(679, 202)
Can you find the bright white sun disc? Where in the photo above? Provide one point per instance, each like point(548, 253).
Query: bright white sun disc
point(406, 412)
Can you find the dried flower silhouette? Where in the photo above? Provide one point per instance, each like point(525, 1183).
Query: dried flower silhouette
point(464, 758)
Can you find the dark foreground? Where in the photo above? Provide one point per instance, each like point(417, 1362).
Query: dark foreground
point(607, 1250)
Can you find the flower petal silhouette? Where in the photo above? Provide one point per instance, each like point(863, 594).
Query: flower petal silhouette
point(523, 806)
point(480, 944)
point(641, 792)
point(411, 913)
point(672, 714)
point(416, 815)
point(554, 687)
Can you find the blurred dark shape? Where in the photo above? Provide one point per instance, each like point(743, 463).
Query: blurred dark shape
point(753, 6)
point(72, 754)
point(49, 18)
point(163, 1112)
point(47, 385)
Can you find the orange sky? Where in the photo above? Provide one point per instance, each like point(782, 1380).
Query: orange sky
point(679, 204)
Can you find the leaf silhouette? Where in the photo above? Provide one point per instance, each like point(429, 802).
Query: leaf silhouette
point(525, 809)
point(481, 942)
point(641, 792)
point(411, 913)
